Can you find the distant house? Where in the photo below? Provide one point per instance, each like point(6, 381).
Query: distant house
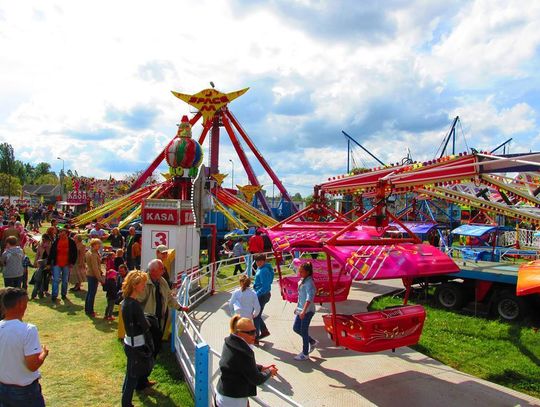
point(46, 193)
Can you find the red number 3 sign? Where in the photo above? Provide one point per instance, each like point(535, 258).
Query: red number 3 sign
point(159, 237)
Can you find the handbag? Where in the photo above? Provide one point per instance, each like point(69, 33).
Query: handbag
point(37, 276)
point(142, 359)
point(153, 335)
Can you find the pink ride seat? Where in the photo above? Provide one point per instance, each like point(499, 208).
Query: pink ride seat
point(342, 285)
point(378, 330)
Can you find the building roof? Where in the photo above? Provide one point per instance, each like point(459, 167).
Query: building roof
point(45, 190)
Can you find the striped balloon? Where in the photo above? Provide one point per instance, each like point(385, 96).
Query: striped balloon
point(184, 153)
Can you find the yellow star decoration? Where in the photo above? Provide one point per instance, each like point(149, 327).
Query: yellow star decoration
point(219, 178)
point(249, 191)
point(209, 101)
point(166, 175)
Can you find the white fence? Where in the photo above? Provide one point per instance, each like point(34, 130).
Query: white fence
point(193, 353)
point(529, 239)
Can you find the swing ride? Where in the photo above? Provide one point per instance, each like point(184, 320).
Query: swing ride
point(364, 250)
point(360, 245)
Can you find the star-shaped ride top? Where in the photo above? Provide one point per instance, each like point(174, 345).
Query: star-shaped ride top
point(209, 101)
point(249, 191)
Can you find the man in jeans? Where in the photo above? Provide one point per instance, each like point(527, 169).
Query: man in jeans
point(238, 251)
point(21, 354)
point(12, 259)
point(262, 286)
point(62, 257)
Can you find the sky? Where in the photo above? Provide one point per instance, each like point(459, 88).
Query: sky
point(90, 82)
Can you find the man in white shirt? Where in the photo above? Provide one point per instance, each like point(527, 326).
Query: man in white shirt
point(21, 354)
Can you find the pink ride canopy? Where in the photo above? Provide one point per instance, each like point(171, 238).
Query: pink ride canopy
point(293, 238)
point(380, 262)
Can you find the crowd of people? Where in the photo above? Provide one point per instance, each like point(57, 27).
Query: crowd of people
point(64, 256)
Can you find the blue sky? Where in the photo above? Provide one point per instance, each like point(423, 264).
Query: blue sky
point(90, 82)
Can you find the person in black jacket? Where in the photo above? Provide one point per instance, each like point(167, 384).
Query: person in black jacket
point(136, 340)
point(240, 374)
point(111, 289)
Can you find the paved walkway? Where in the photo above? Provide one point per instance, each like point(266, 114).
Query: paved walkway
point(338, 377)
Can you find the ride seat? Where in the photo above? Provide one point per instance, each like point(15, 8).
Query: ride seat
point(377, 330)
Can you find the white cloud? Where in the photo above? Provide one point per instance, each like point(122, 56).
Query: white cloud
point(490, 39)
point(483, 115)
point(66, 65)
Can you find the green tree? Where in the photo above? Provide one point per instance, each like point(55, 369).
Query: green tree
point(9, 185)
point(29, 173)
point(7, 158)
point(42, 169)
point(46, 179)
point(297, 197)
point(68, 183)
point(23, 171)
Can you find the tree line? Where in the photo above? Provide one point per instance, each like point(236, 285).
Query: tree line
point(15, 173)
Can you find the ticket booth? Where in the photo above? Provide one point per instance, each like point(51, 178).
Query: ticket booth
point(170, 222)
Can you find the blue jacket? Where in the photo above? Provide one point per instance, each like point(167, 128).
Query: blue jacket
point(263, 279)
point(306, 292)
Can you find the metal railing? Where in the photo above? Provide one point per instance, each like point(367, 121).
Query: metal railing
point(500, 253)
point(528, 238)
point(192, 352)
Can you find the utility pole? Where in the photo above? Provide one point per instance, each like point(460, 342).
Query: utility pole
point(61, 178)
point(232, 175)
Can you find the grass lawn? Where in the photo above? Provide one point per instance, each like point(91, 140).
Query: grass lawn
point(86, 363)
point(503, 353)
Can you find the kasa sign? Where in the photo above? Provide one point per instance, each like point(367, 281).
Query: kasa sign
point(160, 216)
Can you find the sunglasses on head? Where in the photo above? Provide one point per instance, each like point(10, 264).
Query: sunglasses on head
point(251, 333)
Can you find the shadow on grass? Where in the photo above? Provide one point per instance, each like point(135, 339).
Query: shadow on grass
point(153, 397)
point(167, 361)
point(80, 294)
point(64, 306)
point(516, 380)
point(104, 326)
point(168, 375)
point(514, 334)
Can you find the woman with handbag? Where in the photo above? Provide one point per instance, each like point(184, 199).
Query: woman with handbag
point(138, 346)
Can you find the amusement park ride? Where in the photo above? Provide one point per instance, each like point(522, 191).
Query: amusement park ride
point(359, 245)
point(367, 249)
point(213, 108)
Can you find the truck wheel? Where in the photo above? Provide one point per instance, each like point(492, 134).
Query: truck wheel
point(450, 295)
point(509, 307)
